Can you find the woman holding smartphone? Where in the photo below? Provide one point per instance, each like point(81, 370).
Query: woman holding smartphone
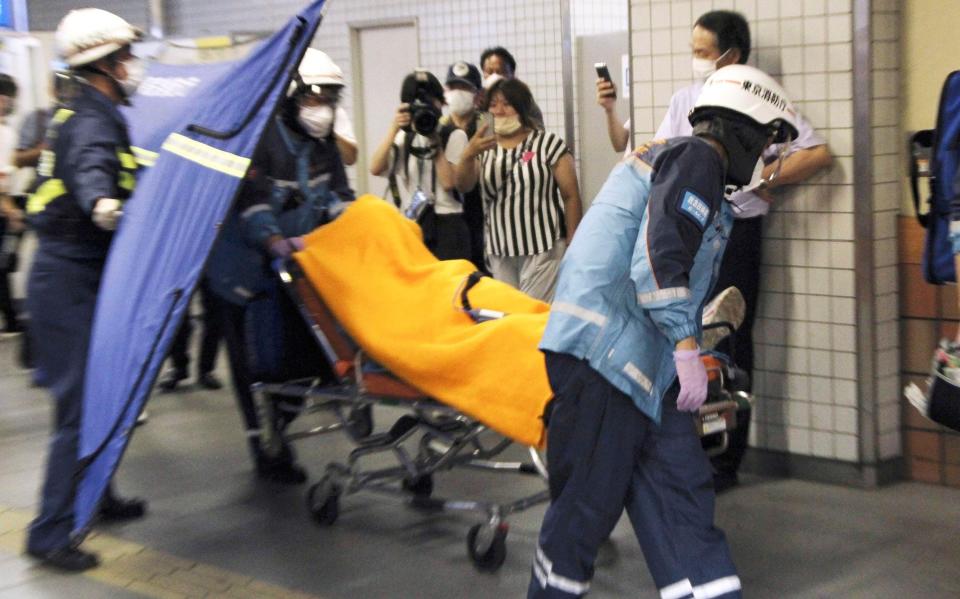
point(531, 197)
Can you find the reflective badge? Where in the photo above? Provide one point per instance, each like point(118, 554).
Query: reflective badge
point(696, 208)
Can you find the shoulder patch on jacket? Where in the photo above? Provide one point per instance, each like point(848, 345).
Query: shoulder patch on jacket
point(695, 207)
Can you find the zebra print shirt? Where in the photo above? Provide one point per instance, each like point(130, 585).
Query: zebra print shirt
point(523, 211)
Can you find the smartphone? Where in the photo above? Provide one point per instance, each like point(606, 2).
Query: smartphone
point(488, 120)
point(604, 73)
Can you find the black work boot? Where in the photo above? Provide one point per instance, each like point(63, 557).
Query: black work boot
point(171, 378)
point(118, 509)
point(67, 559)
point(281, 468)
point(208, 380)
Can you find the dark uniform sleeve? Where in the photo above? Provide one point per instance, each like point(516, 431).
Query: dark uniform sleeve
point(684, 197)
point(90, 165)
point(339, 183)
point(253, 203)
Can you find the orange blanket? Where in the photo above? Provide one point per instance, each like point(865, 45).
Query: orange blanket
point(401, 305)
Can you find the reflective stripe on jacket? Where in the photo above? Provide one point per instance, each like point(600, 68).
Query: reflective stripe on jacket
point(634, 279)
point(294, 185)
point(88, 157)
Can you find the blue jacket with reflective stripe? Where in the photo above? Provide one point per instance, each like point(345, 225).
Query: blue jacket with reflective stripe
point(644, 259)
point(294, 184)
point(89, 151)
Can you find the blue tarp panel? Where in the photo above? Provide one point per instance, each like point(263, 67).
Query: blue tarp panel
point(164, 239)
point(166, 96)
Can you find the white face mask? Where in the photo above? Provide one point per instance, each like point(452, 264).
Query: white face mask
point(704, 67)
point(490, 79)
point(135, 74)
point(317, 121)
point(506, 125)
point(460, 101)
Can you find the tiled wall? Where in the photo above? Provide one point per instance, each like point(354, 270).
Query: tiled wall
point(449, 30)
point(43, 15)
point(806, 333)
point(598, 16)
point(888, 171)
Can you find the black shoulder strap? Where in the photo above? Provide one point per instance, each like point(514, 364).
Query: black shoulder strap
point(392, 187)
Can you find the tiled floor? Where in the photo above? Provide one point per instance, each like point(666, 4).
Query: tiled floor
point(217, 530)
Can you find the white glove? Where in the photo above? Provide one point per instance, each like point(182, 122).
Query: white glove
point(107, 213)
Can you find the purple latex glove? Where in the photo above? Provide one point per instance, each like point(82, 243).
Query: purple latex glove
point(282, 248)
point(693, 379)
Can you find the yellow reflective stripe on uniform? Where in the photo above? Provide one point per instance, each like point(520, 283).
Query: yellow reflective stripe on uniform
point(61, 115)
point(208, 156)
point(127, 160)
point(50, 190)
point(126, 181)
point(145, 157)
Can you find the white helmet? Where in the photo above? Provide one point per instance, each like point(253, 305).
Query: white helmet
point(86, 35)
point(752, 93)
point(316, 68)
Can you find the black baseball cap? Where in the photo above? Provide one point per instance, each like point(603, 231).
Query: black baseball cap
point(464, 72)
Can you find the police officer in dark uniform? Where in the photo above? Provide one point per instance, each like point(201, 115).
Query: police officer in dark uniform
point(84, 178)
point(295, 183)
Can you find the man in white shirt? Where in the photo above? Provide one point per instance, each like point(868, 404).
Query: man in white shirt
point(722, 38)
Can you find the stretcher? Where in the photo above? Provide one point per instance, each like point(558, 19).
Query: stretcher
point(364, 324)
point(430, 437)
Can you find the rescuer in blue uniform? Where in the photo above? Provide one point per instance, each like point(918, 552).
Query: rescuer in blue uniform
point(295, 183)
point(622, 354)
point(84, 178)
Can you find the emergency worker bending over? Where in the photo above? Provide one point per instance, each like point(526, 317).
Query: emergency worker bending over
point(622, 349)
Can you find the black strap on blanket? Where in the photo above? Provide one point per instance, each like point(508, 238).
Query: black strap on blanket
point(472, 280)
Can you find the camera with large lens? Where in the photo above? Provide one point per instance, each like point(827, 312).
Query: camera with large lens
point(424, 115)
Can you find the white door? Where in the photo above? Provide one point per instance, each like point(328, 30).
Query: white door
point(597, 154)
point(385, 55)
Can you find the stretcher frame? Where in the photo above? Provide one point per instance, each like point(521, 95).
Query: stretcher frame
point(448, 438)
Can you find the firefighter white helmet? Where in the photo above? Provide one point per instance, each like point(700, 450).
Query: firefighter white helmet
point(317, 68)
point(752, 93)
point(86, 35)
point(744, 109)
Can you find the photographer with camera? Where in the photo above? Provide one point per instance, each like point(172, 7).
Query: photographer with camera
point(418, 156)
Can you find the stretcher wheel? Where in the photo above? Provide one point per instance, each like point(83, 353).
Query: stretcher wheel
point(420, 486)
point(487, 546)
point(323, 501)
point(360, 422)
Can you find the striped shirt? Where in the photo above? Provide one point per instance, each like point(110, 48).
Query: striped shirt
point(523, 211)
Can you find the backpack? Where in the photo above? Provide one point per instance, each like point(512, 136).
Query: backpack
point(935, 154)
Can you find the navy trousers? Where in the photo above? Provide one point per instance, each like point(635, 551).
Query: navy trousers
point(209, 342)
point(604, 456)
point(61, 298)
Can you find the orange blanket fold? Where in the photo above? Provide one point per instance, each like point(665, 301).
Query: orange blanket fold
point(401, 305)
